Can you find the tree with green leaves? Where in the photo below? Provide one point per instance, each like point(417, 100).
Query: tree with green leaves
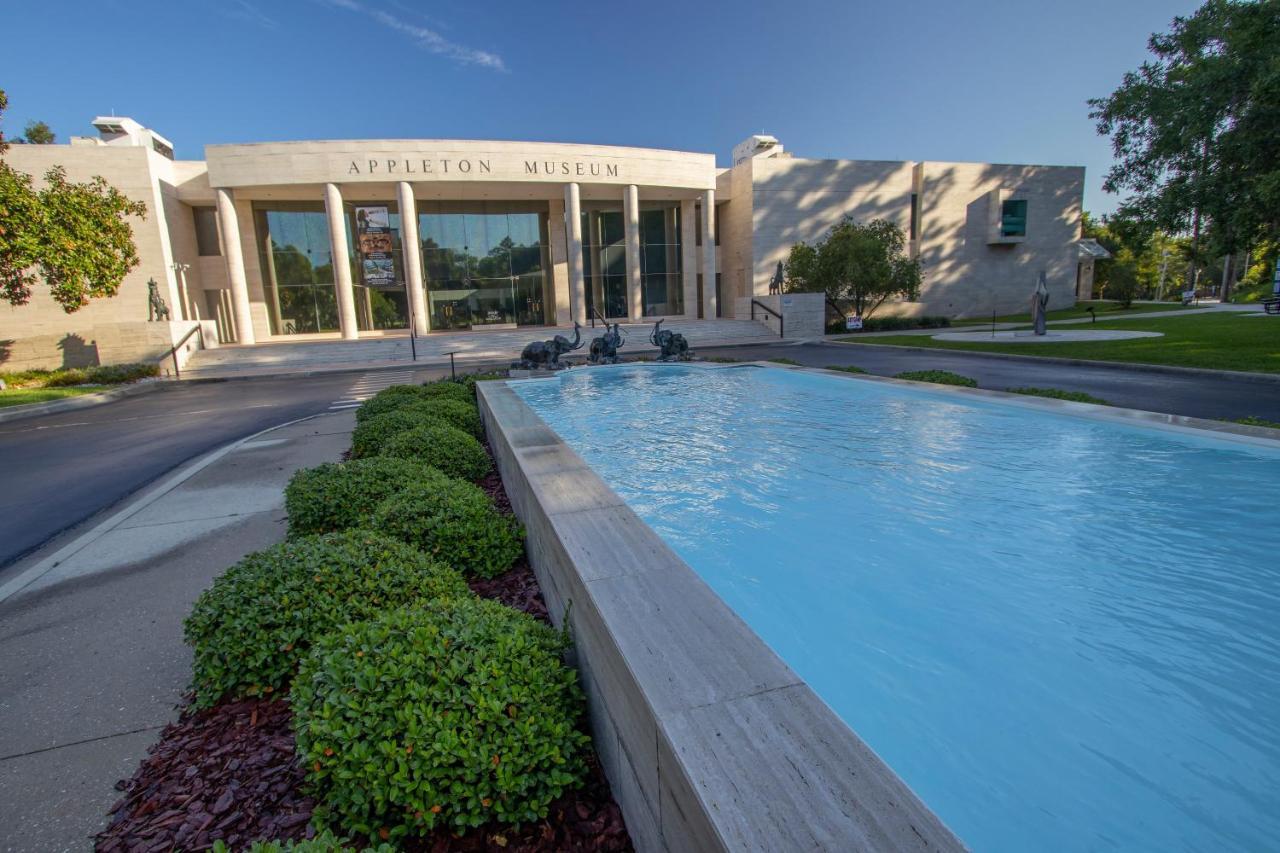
point(1196, 129)
point(856, 265)
point(38, 133)
point(74, 236)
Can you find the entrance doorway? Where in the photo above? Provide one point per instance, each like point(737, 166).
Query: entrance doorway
point(604, 261)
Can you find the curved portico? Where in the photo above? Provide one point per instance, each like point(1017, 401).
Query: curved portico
point(448, 234)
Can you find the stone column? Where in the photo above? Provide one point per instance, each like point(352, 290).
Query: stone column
point(229, 225)
point(573, 233)
point(340, 256)
point(689, 256)
point(631, 218)
point(709, 254)
point(412, 256)
point(557, 246)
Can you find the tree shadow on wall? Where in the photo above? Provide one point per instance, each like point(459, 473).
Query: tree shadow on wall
point(6, 348)
point(77, 353)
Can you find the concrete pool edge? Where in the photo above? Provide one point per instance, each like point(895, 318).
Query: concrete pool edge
point(708, 739)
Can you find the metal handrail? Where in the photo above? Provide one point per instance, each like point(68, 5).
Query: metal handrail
point(595, 312)
point(781, 322)
point(173, 351)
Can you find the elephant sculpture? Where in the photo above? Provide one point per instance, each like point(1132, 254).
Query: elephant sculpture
point(604, 349)
point(546, 354)
point(672, 345)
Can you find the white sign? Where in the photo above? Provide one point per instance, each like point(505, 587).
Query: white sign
point(853, 324)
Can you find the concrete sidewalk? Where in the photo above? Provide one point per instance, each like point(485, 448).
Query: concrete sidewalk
point(92, 662)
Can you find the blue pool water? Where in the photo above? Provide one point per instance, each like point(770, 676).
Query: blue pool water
point(1063, 633)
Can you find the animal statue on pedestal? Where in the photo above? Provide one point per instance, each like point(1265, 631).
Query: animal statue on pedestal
point(156, 309)
point(545, 355)
point(604, 349)
point(672, 345)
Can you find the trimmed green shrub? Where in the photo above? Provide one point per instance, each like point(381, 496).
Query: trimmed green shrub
point(471, 379)
point(453, 714)
point(249, 630)
point(106, 374)
point(389, 400)
point(464, 416)
point(440, 446)
point(939, 377)
point(338, 495)
point(450, 389)
point(399, 396)
point(1058, 394)
point(790, 361)
point(844, 368)
point(1258, 422)
point(453, 521)
point(372, 435)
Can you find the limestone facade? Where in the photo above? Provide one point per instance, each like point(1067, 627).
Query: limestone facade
point(632, 233)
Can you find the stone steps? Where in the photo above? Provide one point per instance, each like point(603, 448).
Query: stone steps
point(290, 356)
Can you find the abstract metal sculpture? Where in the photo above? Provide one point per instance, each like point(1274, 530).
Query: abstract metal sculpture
point(604, 349)
point(672, 345)
point(1039, 304)
point(156, 309)
point(546, 354)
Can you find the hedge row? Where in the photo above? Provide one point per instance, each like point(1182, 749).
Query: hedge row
point(415, 704)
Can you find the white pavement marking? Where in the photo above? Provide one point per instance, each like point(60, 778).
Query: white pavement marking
point(368, 385)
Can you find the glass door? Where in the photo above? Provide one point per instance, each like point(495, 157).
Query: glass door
point(604, 250)
point(485, 264)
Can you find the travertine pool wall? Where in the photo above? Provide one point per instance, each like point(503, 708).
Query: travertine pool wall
point(708, 739)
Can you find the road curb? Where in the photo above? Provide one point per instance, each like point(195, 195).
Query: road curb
point(140, 502)
point(35, 410)
point(1204, 372)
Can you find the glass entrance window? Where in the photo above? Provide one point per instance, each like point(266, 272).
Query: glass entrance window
point(293, 249)
point(604, 260)
point(485, 263)
point(662, 290)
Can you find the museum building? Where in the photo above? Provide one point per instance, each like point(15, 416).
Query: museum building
point(346, 239)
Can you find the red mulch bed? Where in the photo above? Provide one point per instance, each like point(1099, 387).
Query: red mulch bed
point(229, 773)
point(225, 773)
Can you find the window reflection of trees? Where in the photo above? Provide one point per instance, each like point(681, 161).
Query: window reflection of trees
point(298, 269)
point(484, 264)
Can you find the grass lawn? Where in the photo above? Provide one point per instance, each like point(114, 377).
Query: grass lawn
point(1217, 341)
point(1104, 310)
point(21, 396)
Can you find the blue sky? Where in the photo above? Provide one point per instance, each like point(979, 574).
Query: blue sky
point(995, 81)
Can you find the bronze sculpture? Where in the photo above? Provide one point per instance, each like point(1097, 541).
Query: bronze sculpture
point(546, 354)
point(1039, 305)
point(775, 283)
point(604, 349)
point(156, 309)
point(672, 345)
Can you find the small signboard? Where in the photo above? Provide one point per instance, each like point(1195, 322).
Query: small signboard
point(373, 237)
point(853, 324)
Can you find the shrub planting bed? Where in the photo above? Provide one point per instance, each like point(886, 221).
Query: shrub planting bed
point(938, 377)
point(386, 700)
